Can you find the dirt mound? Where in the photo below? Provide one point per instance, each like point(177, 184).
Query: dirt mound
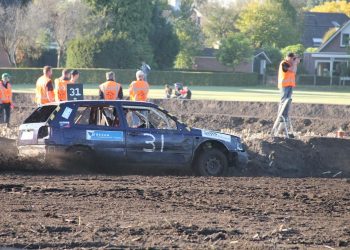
point(317, 157)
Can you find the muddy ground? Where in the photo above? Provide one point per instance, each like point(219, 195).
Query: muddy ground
point(75, 211)
point(51, 209)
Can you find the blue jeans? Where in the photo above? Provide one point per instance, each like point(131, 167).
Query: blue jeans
point(286, 93)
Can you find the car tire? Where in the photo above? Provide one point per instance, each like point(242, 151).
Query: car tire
point(211, 162)
point(81, 158)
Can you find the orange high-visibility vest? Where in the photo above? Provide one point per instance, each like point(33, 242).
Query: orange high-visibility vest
point(5, 93)
point(138, 91)
point(285, 79)
point(61, 89)
point(110, 90)
point(42, 95)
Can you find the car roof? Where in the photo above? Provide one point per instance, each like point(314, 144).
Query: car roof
point(122, 102)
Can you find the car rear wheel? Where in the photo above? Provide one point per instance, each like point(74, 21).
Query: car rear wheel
point(211, 162)
point(81, 158)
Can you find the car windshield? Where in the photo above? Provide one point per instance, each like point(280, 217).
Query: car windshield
point(41, 114)
point(174, 117)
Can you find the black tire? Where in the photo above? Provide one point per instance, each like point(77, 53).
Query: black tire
point(81, 158)
point(211, 162)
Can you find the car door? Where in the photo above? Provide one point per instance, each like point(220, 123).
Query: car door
point(155, 140)
point(98, 127)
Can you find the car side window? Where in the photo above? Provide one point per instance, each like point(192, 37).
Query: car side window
point(148, 117)
point(85, 116)
point(106, 116)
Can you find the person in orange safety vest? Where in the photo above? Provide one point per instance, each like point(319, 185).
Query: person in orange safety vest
point(138, 90)
point(110, 90)
point(5, 98)
point(61, 86)
point(286, 80)
point(44, 88)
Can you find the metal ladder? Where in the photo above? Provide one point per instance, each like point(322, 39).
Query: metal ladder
point(285, 125)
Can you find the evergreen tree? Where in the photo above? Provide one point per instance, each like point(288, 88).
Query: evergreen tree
point(190, 35)
point(131, 20)
point(164, 41)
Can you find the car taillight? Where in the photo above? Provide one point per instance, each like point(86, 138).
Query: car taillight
point(43, 132)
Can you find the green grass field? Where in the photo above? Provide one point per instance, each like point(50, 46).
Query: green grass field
point(302, 94)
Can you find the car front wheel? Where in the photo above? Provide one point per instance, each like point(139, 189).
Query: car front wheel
point(211, 162)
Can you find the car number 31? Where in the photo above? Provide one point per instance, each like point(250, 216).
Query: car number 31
point(74, 92)
point(151, 142)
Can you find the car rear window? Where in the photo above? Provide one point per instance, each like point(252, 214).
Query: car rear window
point(41, 114)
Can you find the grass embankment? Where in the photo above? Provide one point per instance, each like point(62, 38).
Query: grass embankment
point(302, 94)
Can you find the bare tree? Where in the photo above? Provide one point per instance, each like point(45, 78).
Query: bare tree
point(63, 21)
point(11, 32)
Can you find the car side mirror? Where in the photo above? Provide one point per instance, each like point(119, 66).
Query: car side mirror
point(182, 127)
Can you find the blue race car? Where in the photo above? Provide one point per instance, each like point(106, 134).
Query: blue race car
point(127, 134)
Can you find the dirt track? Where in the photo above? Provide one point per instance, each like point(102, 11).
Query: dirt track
point(53, 211)
point(45, 209)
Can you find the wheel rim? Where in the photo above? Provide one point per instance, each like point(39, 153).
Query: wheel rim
point(80, 155)
point(213, 166)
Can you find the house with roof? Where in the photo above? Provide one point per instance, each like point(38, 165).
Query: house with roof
point(332, 57)
point(207, 61)
point(316, 24)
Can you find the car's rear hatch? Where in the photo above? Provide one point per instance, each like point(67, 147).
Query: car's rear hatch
point(36, 127)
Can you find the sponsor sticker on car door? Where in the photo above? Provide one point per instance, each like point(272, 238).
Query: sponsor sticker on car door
point(104, 135)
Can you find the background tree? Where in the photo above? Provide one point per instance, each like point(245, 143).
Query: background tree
point(126, 38)
point(333, 6)
point(311, 50)
point(268, 23)
point(311, 3)
point(297, 49)
point(163, 39)
point(218, 22)
point(189, 34)
point(234, 49)
point(81, 52)
point(106, 51)
point(64, 21)
point(129, 19)
point(288, 9)
point(275, 56)
point(12, 22)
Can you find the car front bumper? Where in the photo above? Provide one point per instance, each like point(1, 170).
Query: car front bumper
point(239, 159)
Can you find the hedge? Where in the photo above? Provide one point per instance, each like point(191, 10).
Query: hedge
point(320, 80)
point(125, 76)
